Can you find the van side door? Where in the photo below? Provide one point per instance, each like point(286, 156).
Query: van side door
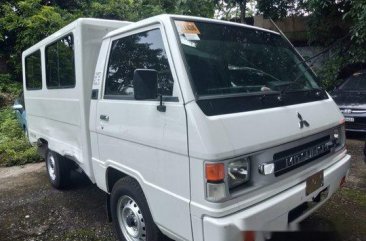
point(137, 139)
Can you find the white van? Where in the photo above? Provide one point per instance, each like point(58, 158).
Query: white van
point(197, 129)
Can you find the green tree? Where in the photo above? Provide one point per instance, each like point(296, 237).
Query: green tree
point(202, 8)
point(24, 23)
point(277, 9)
point(357, 15)
point(226, 7)
point(325, 21)
point(339, 25)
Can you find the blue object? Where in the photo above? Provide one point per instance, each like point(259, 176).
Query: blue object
point(19, 108)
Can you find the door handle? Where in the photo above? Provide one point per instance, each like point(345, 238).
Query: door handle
point(104, 117)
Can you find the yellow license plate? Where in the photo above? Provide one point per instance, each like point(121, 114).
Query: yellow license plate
point(314, 182)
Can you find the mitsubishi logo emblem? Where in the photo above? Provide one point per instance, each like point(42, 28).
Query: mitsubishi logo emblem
point(302, 122)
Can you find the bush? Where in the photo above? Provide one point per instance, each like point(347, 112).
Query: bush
point(9, 90)
point(8, 86)
point(14, 147)
point(329, 73)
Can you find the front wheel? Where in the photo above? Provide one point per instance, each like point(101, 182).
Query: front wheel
point(58, 170)
point(131, 216)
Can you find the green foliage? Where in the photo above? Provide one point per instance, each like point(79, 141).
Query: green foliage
point(329, 73)
point(343, 24)
point(14, 148)
point(357, 15)
point(277, 9)
point(325, 22)
point(110, 9)
point(24, 23)
point(9, 90)
point(339, 24)
point(8, 86)
point(226, 8)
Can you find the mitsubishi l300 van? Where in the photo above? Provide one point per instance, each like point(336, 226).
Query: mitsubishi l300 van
point(197, 129)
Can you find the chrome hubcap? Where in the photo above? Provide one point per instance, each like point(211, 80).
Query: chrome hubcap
point(51, 167)
point(130, 219)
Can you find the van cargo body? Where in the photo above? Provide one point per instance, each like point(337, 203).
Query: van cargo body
point(197, 129)
point(60, 115)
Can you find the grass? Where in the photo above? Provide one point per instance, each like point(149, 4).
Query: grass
point(346, 211)
point(14, 147)
point(357, 196)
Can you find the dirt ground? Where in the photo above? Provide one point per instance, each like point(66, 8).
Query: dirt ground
point(30, 209)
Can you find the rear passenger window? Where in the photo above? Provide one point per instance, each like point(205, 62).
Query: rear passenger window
point(60, 67)
point(139, 51)
point(33, 71)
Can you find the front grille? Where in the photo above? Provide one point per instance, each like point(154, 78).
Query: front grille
point(352, 111)
point(358, 124)
point(355, 126)
point(290, 159)
point(361, 120)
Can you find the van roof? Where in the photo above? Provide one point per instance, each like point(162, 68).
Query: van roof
point(167, 17)
point(68, 28)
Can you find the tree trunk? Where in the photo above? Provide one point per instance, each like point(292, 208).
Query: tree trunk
point(243, 5)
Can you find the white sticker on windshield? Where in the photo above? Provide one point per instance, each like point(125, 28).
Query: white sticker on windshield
point(192, 37)
point(187, 42)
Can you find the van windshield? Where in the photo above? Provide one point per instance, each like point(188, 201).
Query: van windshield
point(357, 82)
point(225, 59)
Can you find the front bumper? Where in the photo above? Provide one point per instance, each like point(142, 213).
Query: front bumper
point(273, 213)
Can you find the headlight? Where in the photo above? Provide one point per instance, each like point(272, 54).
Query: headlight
point(339, 136)
point(238, 172)
point(222, 177)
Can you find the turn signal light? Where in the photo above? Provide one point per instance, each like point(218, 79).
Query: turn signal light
point(215, 172)
point(249, 236)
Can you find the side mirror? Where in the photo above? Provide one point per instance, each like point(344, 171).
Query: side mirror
point(145, 84)
point(17, 107)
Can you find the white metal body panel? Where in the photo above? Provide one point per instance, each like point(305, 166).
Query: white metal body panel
point(272, 214)
point(149, 145)
point(61, 116)
point(242, 133)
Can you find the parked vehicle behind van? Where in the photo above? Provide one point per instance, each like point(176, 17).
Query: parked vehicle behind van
point(197, 129)
point(20, 113)
point(351, 99)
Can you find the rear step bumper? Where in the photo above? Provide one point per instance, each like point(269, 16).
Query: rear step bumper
point(279, 213)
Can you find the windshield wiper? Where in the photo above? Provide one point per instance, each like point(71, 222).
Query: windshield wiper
point(297, 80)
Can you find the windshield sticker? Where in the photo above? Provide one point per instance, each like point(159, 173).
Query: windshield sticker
point(192, 37)
point(187, 27)
point(187, 42)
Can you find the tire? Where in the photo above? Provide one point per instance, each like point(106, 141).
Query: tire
point(58, 170)
point(131, 216)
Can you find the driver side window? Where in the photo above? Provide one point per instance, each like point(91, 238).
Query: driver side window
point(144, 50)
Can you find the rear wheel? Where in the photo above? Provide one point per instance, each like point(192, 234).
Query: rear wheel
point(131, 216)
point(58, 170)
